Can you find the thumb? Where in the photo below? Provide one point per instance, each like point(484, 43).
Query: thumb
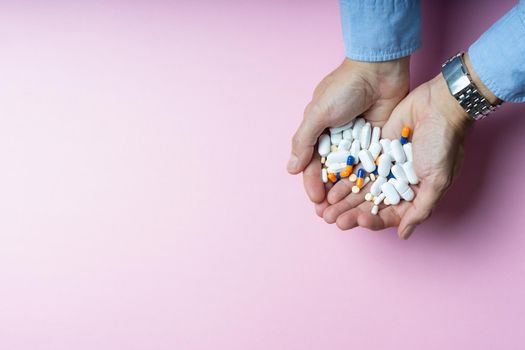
point(303, 142)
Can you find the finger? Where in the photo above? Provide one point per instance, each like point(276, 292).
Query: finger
point(320, 208)
point(339, 191)
point(430, 191)
point(304, 140)
point(348, 219)
point(313, 184)
point(349, 202)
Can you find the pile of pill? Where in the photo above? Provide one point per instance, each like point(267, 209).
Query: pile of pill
point(356, 151)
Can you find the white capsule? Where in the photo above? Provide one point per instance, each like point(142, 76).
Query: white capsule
point(374, 210)
point(398, 172)
point(344, 145)
point(407, 147)
point(354, 150)
point(376, 186)
point(336, 138)
point(375, 149)
point(366, 132)
point(347, 135)
point(358, 125)
point(341, 128)
point(324, 175)
point(376, 134)
point(403, 189)
point(385, 145)
point(324, 145)
point(336, 167)
point(397, 151)
point(410, 173)
point(384, 163)
point(391, 194)
point(366, 159)
point(379, 199)
point(337, 157)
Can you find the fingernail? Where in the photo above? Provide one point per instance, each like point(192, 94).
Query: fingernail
point(292, 163)
point(408, 231)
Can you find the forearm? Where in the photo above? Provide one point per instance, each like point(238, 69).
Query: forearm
point(498, 57)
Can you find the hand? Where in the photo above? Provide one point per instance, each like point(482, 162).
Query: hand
point(371, 89)
point(438, 123)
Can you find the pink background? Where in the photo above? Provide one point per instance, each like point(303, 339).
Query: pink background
point(145, 204)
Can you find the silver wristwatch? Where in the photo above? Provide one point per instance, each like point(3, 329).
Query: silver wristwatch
point(464, 90)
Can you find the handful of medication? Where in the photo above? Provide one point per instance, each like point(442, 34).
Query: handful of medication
point(357, 151)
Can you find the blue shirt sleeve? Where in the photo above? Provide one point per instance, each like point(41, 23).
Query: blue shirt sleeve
point(498, 56)
point(380, 30)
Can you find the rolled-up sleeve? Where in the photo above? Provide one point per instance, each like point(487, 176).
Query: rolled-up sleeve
point(380, 30)
point(498, 56)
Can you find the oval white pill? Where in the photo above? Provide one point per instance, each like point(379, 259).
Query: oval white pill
point(347, 135)
point(336, 138)
point(341, 128)
point(366, 159)
point(337, 157)
point(324, 145)
point(366, 132)
point(336, 167)
point(398, 172)
point(354, 150)
point(376, 134)
point(344, 145)
point(410, 173)
point(324, 175)
point(379, 199)
point(384, 164)
point(358, 125)
point(397, 151)
point(407, 147)
point(385, 145)
point(390, 192)
point(376, 186)
point(375, 149)
point(403, 189)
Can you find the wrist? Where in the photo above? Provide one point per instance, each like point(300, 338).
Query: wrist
point(385, 69)
point(447, 104)
point(493, 99)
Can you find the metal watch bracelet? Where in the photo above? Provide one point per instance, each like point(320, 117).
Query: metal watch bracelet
point(464, 90)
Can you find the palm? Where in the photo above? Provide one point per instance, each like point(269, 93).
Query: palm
point(438, 154)
point(343, 95)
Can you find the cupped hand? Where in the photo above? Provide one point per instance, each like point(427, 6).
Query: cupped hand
point(438, 125)
point(371, 89)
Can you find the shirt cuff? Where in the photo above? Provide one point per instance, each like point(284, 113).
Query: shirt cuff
point(380, 30)
point(498, 56)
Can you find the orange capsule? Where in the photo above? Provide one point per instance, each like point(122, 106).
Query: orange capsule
point(360, 178)
point(405, 132)
point(332, 177)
